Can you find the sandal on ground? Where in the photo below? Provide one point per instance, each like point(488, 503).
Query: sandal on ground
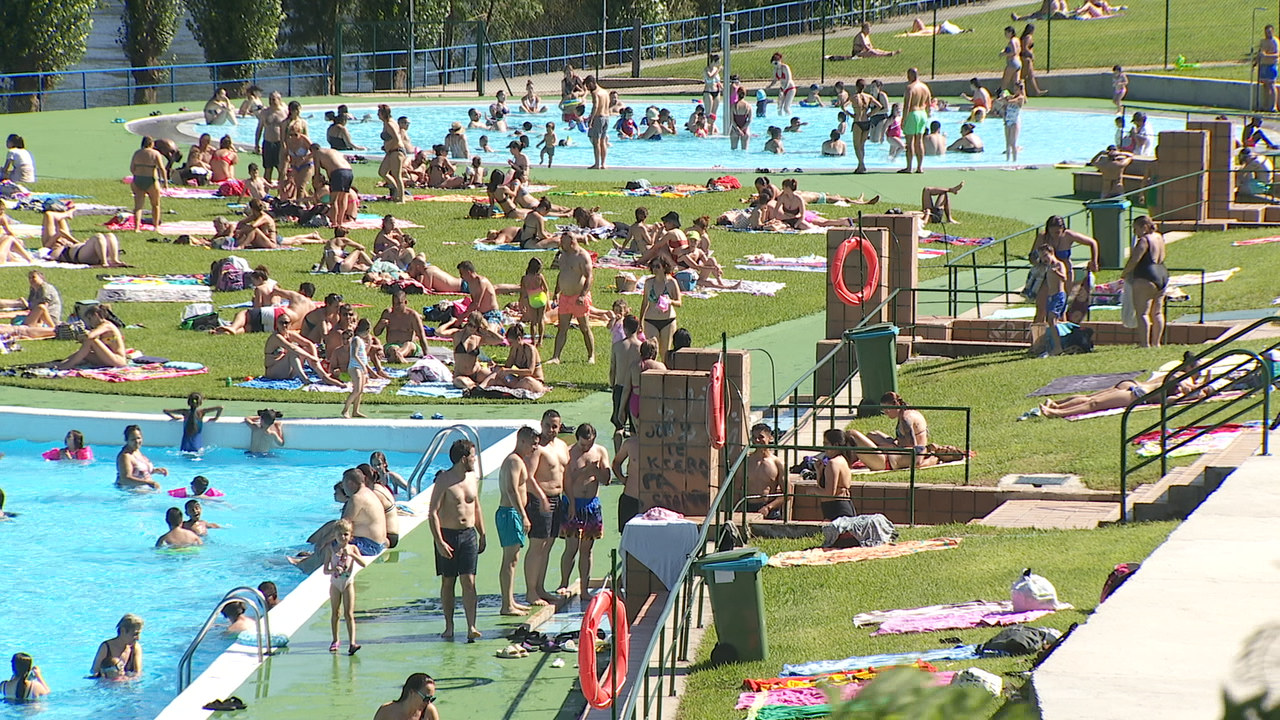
point(512, 652)
point(230, 704)
point(333, 647)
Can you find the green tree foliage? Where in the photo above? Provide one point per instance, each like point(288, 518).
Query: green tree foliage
point(41, 36)
point(231, 30)
point(381, 27)
point(309, 25)
point(147, 28)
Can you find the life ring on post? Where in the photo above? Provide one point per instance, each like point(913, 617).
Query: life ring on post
point(715, 406)
point(599, 691)
point(837, 270)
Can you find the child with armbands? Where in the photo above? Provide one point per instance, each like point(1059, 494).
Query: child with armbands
point(199, 489)
point(73, 449)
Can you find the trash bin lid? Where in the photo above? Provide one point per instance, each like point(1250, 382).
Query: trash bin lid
point(751, 563)
point(1108, 204)
point(871, 331)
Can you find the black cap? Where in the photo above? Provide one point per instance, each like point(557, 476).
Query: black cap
point(672, 217)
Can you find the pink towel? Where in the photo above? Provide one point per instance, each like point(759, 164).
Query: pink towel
point(956, 621)
point(804, 697)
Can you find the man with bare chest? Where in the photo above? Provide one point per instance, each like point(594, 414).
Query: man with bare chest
point(511, 518)
point(573, 291)
point(588, 468)
point(766, 475)
point(406, 337)
point(457, 525)
point(545, 506)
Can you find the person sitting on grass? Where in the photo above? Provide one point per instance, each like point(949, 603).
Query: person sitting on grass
point(523, 368)
point(1253, 178)
point(912, 432)
point(344, 255)
point(406, 338)
point(1192, 384)
point(44, 303)
point(12, 249)
point(287, 355)
point(103, 346)
point(468, 370)
point(935, 203)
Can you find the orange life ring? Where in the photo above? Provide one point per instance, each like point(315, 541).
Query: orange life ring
point(837, 270)
point(599, 691)
point(715, 406)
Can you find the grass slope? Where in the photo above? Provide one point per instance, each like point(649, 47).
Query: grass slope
point(808, 610)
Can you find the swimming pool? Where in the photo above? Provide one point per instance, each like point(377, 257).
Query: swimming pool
point(1048, 136)
point(81, 555)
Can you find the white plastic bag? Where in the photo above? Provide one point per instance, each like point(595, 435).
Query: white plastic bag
point(1128, 311)
point(1033, 592)
point(977, 677)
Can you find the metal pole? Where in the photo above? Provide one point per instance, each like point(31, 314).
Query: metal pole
point(604, 34)
point(726, 74)
point(933, 46)
point(1048, 44)
point(822, 73)
point(482, 67)
point(1166, 50)
point(413, 40)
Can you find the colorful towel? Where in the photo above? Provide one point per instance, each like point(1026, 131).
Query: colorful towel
point(929, 253)
point(1215, 440)
point(186, 192)
point(616, 259)
point(750, 287)
point(826, 556)
point(821, 667)
point(434, 389)
point(811, 696)
point(129, 373)
point(955, 240)
point(960, 620)
point(483, 246)
point(875, 617)
point(1256, 241)
point(263, 383)
point(372, 386)
point(174, 227)
point(842, 678)
point(121, 280)
point(1120, 411)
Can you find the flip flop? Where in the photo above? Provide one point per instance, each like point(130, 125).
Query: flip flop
point(519, 633)
point(512, 652)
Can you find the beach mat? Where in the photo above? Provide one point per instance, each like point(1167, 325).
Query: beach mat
point(1084, 383)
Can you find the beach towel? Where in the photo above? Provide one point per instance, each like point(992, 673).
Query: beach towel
point(24, 230)
point(114, 293)
point(1084, 383)
point(1138, 408)
point(808, 263)
point(828, 556)
point(151, 371)
point(173, 227)
point(1214, 441)
point(841, 678)
point(435, 390)
point(186, 192)
point(820, 667)
point(955, 240)
point(616, 259)
point(946, 27)
point(370, 221)
point(263, 383)
point(483, 246)
point(1256, 241)
point(811, 231)
point(749, 287)
point(1002, 615)
point(814, 696)
point(44, 262)
point(929, 253)
point(372, 386)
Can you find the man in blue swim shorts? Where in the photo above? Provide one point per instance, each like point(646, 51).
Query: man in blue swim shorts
point(511, 518)
point(588, 467)
point(364, 510)
point(1055, 295)
point(1268, 55)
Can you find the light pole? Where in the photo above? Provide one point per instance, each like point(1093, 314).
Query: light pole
point(412, 42)
point(726, 74)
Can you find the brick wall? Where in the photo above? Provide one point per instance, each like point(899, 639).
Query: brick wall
point(841, 317)
point(679, 469)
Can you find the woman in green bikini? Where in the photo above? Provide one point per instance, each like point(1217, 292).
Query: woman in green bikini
point(145, 169)
point(658, 308)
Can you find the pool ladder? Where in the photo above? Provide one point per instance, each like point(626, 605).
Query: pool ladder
point(253, 600)
point(436, 446)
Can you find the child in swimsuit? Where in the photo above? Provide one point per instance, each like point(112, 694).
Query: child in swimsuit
point(534, 299)
point(192, 418)
point(340, 558)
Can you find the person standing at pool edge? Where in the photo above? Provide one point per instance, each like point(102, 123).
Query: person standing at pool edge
point(916, 102)
point(192, 418)
point(457, 524)
point(1268, 55)
point(365, 512)
point(550, 457)
point(598, 124)
point(511, 518)
point(588, 467)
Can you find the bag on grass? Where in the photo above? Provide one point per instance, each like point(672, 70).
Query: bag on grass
point(1033, 592)
point(201, 323)
point(1118, 576)
point(1020, 640)
point(977, 677)
point(480, 210)
point(70, 330)
point(430, 369)
point(687, 280)
point(438, 313)
point(226, 275)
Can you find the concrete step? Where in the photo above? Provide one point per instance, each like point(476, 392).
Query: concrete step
point(1183, 489)
point(1051, 514)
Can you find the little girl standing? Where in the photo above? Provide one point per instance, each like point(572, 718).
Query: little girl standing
point(534, 299)
point(339, 561)
point(358, 368)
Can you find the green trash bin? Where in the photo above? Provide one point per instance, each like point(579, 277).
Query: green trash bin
point(737, 602)
point(877, 350)
point(1108, 230)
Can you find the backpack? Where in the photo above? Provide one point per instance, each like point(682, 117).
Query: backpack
point(316, 216)
point(207, 321)
point(438, 313)
point(225, 275)
point(1118, 576)
point(1020, 640)
point(480, 210)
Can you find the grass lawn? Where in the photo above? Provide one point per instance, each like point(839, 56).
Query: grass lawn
point(445, 237)
point(808, 611)
point(1135, 38)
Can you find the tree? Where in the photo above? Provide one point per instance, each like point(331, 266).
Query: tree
point(147, 27)
point(309, 25)
point(382, 28)
point(232, 30)
point(41, 36)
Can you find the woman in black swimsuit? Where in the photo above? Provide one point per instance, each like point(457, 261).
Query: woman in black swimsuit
point(468, 370)
point(393, 154)
point(121, 655)
point(658, 308)
point(1147, 277)
point(145, 169)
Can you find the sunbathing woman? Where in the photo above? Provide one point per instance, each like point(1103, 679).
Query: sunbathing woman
point(912, 432)
point(441, 172)
point(433, 278)
point(99, 250)
point(344, 255)
point(287, 355)
point(102, 347)
point(590, 219)
point(523, 368)
point(1191, 386)
point(468, 370)
point(55, 229)
point(219, 110)
point(257, 230)
point(12, 250)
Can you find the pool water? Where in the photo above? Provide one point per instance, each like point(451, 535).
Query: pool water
point(1047, 137)
point(80, 555)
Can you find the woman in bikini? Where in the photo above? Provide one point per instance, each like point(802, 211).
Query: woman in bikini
point(1012, 55)
point(121, 656)
point(223, 165)
point(786, 84)
point(257, 230)
point(879, 118)
point(27, 683)
point(286, 356)
point(344, 255)
point(441, 172)
point(101, 250)
point(145, 167)
point(393, 154)
point(219, 110)
point(648, 361)
point(1191, 385)
point(1147, 277)
point(523, 368)
point(658, 306)
point(1028, 42)
point(102, 347)
point(912, 432)
point(297, 149)
point(860, 105)
point(468, 370)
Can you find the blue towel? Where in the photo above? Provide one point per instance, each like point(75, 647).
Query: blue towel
point(819, 667)
point(396, 372)
point(488, 247)
point(245, 304)
point(180, 365)
point(436, 389)
point(42, 196)
point(260, 383)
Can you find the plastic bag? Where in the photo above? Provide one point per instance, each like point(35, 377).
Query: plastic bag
point(1128, 311)
point(977, 677)
point(1033, 592)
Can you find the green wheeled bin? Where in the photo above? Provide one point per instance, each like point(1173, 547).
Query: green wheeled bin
point(877, 350)
point(1108, 230)
point(737, 602)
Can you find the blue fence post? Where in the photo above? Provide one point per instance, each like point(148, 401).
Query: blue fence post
point(84, 90)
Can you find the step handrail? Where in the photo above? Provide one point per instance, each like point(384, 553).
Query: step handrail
point(436, 446)
point(253, 600)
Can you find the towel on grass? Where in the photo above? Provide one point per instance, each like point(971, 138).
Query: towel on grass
point(813, 696)
point(24, 230)
point(186, 192)
point(828, 556)
point(433, 389)
point(1214, 441)
point(1000, 614)
point(483, 246)
point(1084, 383)
point(820, 667)
point(1256, 241)
point(372, 386)
point(617, 260)
point(173, 227)
point(1120, 411)
point(45, 262)
point(152, 371)
point(749, 287)
point(956, 240)
point(193, 279)
point(112, 293)
point(811, 231)
point(263, 383)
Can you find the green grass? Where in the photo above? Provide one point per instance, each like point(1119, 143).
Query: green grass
point(808, 611)
point(1135, 39)
point(238, 357)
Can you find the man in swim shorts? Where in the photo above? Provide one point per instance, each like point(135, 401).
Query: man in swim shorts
point(512, 518)
point(1268, 55)
point(457, 524)
point(269, 136)
point(916, 105)
point(573, 287)
point(364, 510)
point(406, 337)
point(598, 123)
point(544, 506)
point(588, 467)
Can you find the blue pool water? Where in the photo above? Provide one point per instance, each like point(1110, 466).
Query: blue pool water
point(1048, 136)
point(80, 555)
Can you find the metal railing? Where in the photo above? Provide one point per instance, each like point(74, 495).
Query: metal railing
point(436, 446)
point(253, 599)
point(1204, 415)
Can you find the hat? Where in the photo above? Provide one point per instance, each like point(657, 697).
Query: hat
point(672, 217)
point(455, 126)
point(815, 86)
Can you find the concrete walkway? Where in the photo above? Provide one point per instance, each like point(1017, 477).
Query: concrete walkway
point(1168, 642)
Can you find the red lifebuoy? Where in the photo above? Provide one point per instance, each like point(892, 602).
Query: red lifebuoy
point(715, 406)
point(837, 270)
point(599, 691)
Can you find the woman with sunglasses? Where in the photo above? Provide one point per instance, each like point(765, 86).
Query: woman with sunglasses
point(417, 701)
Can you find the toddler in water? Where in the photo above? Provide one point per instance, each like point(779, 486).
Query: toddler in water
point(484, 144)
point(774, 143)
point(340, 557)
point(199, 488)
point(534, 298)
point(73, 448)
point(893, 133)
point(812, 100)
point(762, 103)
point(548, 145)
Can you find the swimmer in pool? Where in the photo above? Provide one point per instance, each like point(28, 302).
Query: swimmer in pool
point(192, 418)
point(120, 656)
point(266, 433)
point(195, 521)
point(133, 469)
point(178, 536)
point(199, 489)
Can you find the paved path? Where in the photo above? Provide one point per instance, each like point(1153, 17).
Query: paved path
point(1167, 642)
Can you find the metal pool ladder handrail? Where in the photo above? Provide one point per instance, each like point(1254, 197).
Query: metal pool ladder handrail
point(436, 446)
point(255, 601)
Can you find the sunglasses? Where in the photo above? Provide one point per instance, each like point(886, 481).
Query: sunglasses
point(428, 699)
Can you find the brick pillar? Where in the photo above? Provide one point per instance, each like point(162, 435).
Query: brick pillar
point(841, 317)
point(1182, 153)
point(1222, 181)
point(678, 468)
point(904, 234)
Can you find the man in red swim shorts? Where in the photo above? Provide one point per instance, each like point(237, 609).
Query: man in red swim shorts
point(573, 286)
